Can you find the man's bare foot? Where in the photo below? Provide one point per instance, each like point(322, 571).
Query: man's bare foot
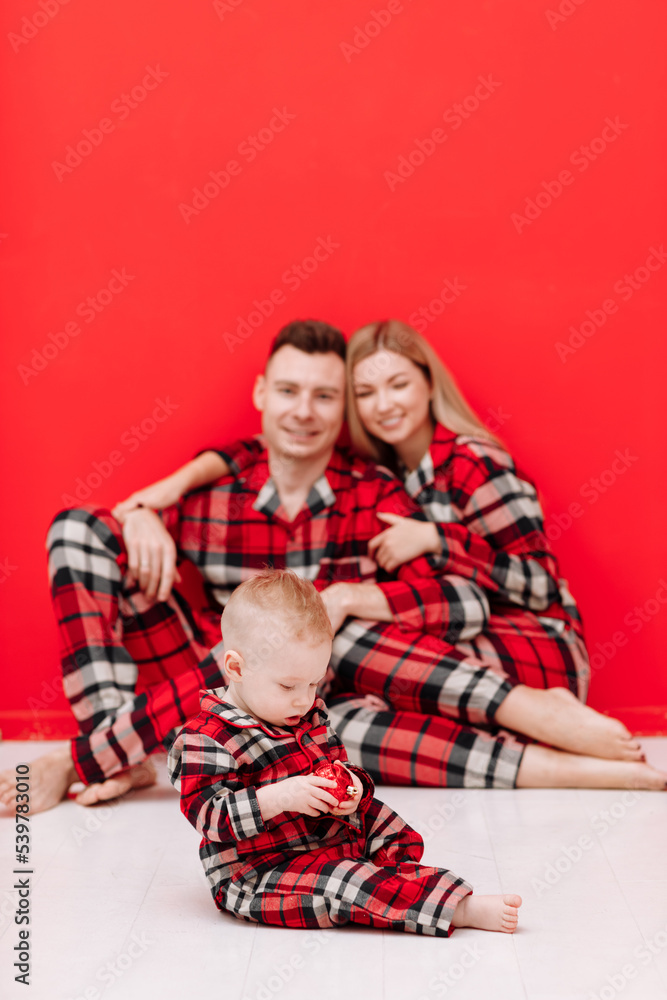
point(488, 913)
point(50, 777)
point(543, 767)
point(558, 718)
point(140, 776)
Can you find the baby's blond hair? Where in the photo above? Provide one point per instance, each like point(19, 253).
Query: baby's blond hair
point(274, 606)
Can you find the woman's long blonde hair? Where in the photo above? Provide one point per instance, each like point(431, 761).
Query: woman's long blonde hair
point(448, 406)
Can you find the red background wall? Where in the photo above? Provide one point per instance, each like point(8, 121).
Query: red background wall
point(358, 100)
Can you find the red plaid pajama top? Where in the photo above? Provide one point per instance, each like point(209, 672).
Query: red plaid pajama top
point(296, 870)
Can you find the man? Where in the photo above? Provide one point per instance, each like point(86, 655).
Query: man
point(133, 665)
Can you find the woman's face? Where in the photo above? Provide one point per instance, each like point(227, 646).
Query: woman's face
point(392, 397)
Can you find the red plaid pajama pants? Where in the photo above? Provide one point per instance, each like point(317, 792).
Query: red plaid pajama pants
point(352, 883)
point(132, 673)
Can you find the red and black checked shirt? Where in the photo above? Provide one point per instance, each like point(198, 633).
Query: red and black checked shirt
point(222, 756)
point(490, 523)
point(488, 518)
point(236, 527)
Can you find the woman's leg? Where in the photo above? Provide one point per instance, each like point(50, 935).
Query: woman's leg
point(409, 748)
point(542, 767)
point(519, 675)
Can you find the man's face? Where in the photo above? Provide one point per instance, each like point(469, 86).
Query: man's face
point(301, 398)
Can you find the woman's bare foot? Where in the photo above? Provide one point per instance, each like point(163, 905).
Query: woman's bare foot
point(140, 776)
point(559, 719)
point(50, 777)
point(488, 913)
point(375, 702)
point(542, 767)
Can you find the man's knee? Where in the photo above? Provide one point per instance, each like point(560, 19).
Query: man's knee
point(76, 531)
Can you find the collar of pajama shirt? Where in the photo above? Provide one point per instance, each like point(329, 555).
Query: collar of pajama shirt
point(438, 454)
point(319, 498)
point(213, 700)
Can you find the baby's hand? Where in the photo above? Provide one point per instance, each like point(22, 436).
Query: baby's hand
point(351, 803)
point(304, 793)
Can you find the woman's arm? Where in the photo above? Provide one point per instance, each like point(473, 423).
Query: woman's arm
point(405, 539)
point(498, 538)
point(205, 468)
point(422, 597)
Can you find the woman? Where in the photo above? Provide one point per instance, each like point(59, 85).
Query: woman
point(484, 528)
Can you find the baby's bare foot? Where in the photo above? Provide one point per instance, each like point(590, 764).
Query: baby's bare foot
point(140, 776)
point(488, 913)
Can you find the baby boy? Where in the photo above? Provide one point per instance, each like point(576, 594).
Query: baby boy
point(292, 834)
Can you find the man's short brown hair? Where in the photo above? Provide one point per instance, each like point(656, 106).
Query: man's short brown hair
point(311, 336)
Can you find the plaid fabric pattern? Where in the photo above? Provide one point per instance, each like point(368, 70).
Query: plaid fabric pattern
point(409, 748)
point(234, 528)
point(490, 523)
point(295, 870)
point(132, 672)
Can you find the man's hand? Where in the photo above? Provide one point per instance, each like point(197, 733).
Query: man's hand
point(406, 539)
point(337, 602)
point(151, 553)
point(304, 793)
point(349, 806)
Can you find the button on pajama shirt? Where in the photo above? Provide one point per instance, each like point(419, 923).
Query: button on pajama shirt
point(132, 671)
point(296, 870)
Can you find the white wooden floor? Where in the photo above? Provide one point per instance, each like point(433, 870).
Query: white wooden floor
point(121, 910)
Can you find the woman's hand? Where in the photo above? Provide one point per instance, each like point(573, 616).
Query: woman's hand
point(406, 539)
point(151, 553)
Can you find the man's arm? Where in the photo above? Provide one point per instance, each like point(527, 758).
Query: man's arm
point(149, 538)
point(205, 468)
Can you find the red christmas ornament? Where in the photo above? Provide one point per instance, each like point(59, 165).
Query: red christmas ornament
point(336, 772)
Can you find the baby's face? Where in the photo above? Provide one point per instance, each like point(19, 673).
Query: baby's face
point(281, 692)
